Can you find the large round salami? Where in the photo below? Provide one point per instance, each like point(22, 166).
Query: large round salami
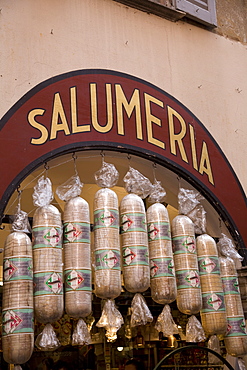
point(77, 258)
point(135, 253)
point(17, 306)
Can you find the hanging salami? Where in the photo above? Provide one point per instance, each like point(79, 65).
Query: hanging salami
point(17, 305)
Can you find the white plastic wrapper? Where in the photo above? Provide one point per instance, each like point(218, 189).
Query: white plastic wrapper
point(214, 344)
point(47, 340)
point(189, 205)
point(135, 182)
point(17, 367)
point(194, 331)
point(107, 176)
point(227, 249)
point(70, 189)
point(157, 194)
point(111, 319)
point(141, 314)
point(165, 322)
point(42, 195)
point(81, 335)
point(21, 222)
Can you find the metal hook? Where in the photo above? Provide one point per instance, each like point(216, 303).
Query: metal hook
point(2, 227)
point(74, 156)
point(154, 170)
point(102, 155)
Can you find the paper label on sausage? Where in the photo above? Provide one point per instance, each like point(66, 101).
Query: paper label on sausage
point(15, 321)
point(135, 255)
point(212, 302)
point(209, 265)
point(236, 327)
point(230, 285)
point(107, 259)
point(78, 280)
point(158, 231)
point(17, 268)
point(187, 279)
point(45, 237)
point(184, 244)
point(48, 283)
point(161, 267)
point(133, 222)
point(106, 218)
point(76, 232)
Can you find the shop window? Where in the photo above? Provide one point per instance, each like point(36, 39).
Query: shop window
point(203, 11)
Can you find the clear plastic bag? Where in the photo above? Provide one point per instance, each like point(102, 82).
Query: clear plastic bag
point(81, 335)
point(241, 364)
point(214, 344)
point(21, 222)
point(194, 331)
point(165, 322)
point(135, 182)
point(157, 194)
point(42, 195)
point(141, 314)
point(227, 249)
point(111, 319)
point(47, 340)
point(70, 189)
point(107, 176)
point(189, 205)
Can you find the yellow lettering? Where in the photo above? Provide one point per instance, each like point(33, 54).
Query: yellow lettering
point(58, 111)
point(94, 109)
point(152, 119)
point(193, 147)
point(121, 101)
point(73, 104)
point(205, 165)
point(43, 130)
point(176, 138)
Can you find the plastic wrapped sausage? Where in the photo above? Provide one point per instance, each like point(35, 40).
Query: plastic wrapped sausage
point(236, 336)
point(107, 260)
point(17, 305)
point(162, 273)
point(77, 258)
point(213, 313)
point(135, 252)
point(47, 255)
point(189, 299)
point(77, 250)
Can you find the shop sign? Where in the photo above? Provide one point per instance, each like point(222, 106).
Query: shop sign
point(102, 109)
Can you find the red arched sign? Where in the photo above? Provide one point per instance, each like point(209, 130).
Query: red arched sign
point(87, 109)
